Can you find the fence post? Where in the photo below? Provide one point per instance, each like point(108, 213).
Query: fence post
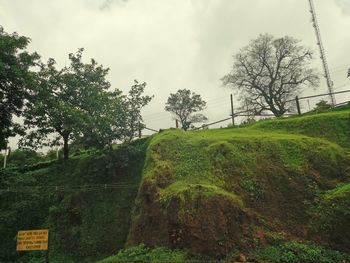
point(140, 131)
point(177, 123)
point(5, 158)
point(232, 112)
point(6, 155)
point(298, 105)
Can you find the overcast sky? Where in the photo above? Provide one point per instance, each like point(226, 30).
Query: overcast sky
point(176, 44)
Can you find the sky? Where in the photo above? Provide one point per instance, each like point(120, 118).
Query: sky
point(178, 44)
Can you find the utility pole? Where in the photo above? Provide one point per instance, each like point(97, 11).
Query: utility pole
point(322, 52)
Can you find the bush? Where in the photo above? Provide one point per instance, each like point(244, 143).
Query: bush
point(296, 252)
point(322, 106)
point(332, 217)
point(23, 157)
point(141, 253)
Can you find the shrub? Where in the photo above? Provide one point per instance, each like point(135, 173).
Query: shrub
point(141, 253)
point(296, 252)
point(322, 106)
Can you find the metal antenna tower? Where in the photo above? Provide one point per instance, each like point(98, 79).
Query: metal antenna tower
point(322, 52)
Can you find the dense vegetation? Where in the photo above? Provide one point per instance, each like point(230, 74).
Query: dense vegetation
point(274, 191)
point(87, 219)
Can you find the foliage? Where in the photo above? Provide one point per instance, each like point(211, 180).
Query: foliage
point(321, 106)
point(332, 215)
point(105, 124)
point(86, 221)
point(271, 71)
point(52, 154)
point(134, 103)
point(19, 209)
point(16, 79)
point(141, 253)
point(66, 102)
point(296, 252)
point(24, 157)
point(118, 119)
point(267, 174)
point(183, 105)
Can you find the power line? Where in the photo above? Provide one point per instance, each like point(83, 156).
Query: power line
point(215, 100)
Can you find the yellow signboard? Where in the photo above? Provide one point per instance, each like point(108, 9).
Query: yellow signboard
point(33, 240)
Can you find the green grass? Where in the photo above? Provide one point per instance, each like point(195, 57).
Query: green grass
point(341, 191)
point(333, 126)
point(141, 253)
point(181, 188)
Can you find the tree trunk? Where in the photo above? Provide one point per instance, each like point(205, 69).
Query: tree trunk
point(65, 147)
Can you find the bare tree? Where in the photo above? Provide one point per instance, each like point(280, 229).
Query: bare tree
point(270, 71)
point(183, 105)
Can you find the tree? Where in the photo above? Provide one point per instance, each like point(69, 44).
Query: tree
point(64, 102)
point(106, 123)
point(269, 72)
point(134, 103)
point(16, 79)
point(183, 105)
point(119, 118)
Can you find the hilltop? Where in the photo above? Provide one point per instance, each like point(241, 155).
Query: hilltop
point(269, 190)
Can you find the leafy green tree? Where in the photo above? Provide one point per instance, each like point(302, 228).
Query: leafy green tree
point(16, 78)
point(64, 102)
point(269, 72)
point(133, 104)
point(118, 117)
point(106, 123)
point(184, 104)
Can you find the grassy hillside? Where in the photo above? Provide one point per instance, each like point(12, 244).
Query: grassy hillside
point(215, 191)
point(333, 125)
point(275, 191)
